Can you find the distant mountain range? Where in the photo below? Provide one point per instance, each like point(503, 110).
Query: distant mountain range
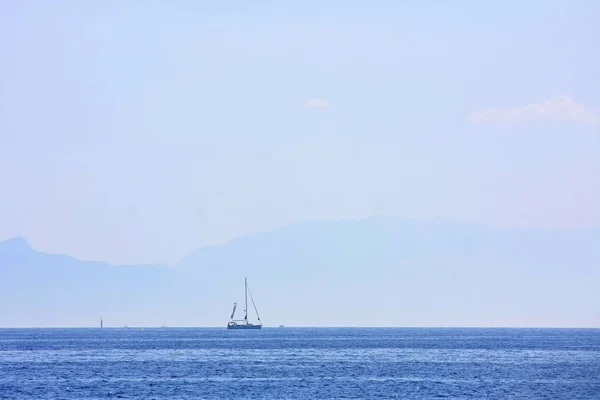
point(379, 271)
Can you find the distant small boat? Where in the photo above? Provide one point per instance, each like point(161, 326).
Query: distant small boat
point(281, 326)
point(243, 323)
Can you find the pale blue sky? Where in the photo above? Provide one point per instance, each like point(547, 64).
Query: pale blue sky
point(138, 131)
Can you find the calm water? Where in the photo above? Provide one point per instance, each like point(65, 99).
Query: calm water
point(304, 363)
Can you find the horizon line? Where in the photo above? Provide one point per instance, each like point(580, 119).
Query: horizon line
point(224, 327)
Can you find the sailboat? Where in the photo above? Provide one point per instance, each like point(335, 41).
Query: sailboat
point(243, 323)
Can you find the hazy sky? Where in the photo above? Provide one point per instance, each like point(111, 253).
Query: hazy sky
point(137, 131)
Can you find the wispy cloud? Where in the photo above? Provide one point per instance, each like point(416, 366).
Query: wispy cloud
point(557, 108)
point(317, 103)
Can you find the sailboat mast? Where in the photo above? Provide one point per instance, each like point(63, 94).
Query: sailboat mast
point(246, 299)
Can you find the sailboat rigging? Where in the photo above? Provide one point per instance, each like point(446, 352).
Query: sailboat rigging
point(244, 323)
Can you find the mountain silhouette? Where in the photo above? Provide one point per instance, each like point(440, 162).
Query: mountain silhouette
point(379, 271)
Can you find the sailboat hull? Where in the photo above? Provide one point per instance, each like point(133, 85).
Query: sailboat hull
point(244, 326)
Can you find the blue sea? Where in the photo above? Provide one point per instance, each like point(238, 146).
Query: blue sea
point(299, 363)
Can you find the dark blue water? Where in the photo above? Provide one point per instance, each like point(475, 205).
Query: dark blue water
point(304, 363)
